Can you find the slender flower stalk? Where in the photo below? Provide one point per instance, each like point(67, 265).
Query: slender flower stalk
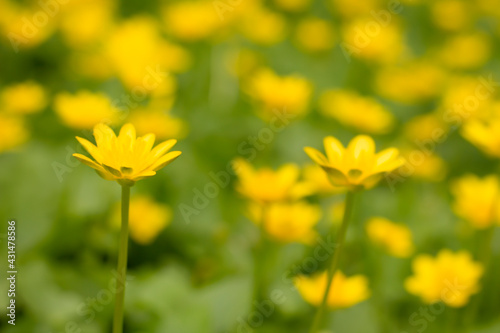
point(122, 262)
point(333, 265)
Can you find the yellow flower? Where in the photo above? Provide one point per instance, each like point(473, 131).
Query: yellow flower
point(84, 109)
point(263, 26)
point(288, 222)
point(357, 166)
point(126, 158)
point(452, 15)
point(148, 54)
point(424, 127)
point(395, 238)
point(385, 47)
point(477, 200)
point(266, 185)
point(97, 15)
point(315, 35)
point(13, 132)
point(345, 291)
point(351, 109)
point(158, 122)
point(350, 9)
point(450, 277)
point(192, 20)
point(318, 181)
point(24, 98)
point(474, 50)
point(424, 165)
point(411, 83)
point(291, 93)
point(146, 219)
point(484, 134)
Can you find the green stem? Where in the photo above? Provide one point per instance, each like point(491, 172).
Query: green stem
point(122, 263)
point(332, 267)
point(259, 253)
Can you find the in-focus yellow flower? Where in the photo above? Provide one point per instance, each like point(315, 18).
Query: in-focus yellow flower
point(354, 110)
point(288, 222)
point(477, 200)
point(160, 123)
point(126, 158)
point(266, 185)
point(192, 20)
point(450, 277)
point(315, 35)
point(484, 134)
point(263, 26)
point(84, 109)
point(452, 15)
point(13, 132)
point(411, 83)
point(357, 166)
point(474, 50)
point(23, 98)
point(395, 238)
point(345, 291)
point(291, 93)
point(147, 219)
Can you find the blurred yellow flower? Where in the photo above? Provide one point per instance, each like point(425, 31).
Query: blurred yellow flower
point(191, 20)
point(357, 166)
point(84, 22)
point(293, 5)
point(354, 110)
point(126, 158)
point(315, 35)
point(425, 165)
point(484, 134)
point(384, 47)
point(291, 93)
point(263, 26)
point(148, 55)
point(23, 98)
point(13, 132)
point(84, 109)
point(395, 238)
point(288, 222)
point(318, 181)
point(344, 293)
point(266, 185)
point(477, 200)
point(411, 83)
point(425, 127)
point(147, 219)
point(158, 122)
point(474, 50)
point(450, 277)
point(452, 15)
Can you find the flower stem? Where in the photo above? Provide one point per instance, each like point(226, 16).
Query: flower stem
point(332, 267)
point(260, 277)
point(122, 263)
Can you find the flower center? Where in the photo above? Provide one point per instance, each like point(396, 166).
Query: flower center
point(354, 173)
